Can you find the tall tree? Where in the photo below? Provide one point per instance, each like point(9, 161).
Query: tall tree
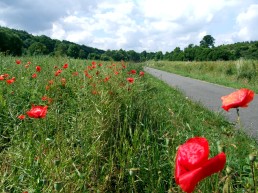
point(207, 41)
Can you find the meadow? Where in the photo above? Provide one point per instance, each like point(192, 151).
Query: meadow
point(237, 74)
point(109, 127)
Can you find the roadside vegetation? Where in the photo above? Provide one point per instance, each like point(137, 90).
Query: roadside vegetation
point(109, 127)
point(237, 74)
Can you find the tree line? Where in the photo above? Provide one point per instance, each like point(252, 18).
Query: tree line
point(19, 42)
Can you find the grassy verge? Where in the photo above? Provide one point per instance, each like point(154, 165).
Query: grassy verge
point(236, 74)
point(105, 134)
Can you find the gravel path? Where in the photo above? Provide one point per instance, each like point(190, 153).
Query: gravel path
point(209, 95)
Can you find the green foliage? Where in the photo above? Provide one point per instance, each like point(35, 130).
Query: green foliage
point(238, 74)
point(105, 135)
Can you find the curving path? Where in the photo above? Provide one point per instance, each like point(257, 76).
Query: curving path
point(209, 95)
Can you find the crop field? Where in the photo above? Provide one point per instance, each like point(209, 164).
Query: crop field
point(71, 125)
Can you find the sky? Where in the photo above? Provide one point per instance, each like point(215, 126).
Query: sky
point(150, 25)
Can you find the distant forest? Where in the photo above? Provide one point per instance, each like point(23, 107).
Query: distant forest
point(18, 42)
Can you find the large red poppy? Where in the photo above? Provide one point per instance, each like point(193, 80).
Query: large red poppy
point(193, 165)
point(239, 98)
point(37, 111)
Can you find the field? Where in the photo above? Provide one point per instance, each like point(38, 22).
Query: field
point(237, 74)
point(109, 127)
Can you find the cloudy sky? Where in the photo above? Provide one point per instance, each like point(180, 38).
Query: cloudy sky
point(151, 25)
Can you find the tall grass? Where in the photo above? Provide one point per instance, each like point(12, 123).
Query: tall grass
point(105, 134)
point(237, 74)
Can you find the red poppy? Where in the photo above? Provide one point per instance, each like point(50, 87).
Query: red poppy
point(193, 165)
point(6, 75)
point(2, 77)
point(65, 66)
point(93, 63)
point(37, 111)
point(18, 61)
point(141, 73)
point(21, 117)
point(100, 64)
point(44, 98)
point(75, 73)
point(131, 80)
point(34, 76)
point(239, 98)
point(10, 81)
point(132, 72)
point(58, 72)
point(50, 82)
point(38, 68)
point(107, 78)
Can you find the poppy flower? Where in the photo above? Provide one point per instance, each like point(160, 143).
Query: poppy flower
point(141, 73)
point(18, 61)
point(2, 77)
point(131, 80)
point(38, 68)
point(44, 98)
point(50, 82)
point(21, 117)
point(193, 165)
point(65, 66)
point(10, 81)
point(239, 98)
point(37, 112)
point(132, 72)
point(58, 72)
point(34, 76)
point(75, 73)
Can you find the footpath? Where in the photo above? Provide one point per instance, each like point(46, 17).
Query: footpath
point(209, 94)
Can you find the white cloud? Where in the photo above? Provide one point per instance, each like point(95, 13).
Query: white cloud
point(248, 23)
point(135, 24)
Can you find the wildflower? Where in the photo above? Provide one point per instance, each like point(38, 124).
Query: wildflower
point(2, 77)
point(193, 165)
point(38, 68)
point(239, 98)
point(141, 73)
point(58, 72)
point(37, 111)
point(75, 73)
point(34, 76)
point(132, 72)
point(131, 80)
point(107, 78)
point(50, 82)
point(10, 81)
point(21, 117)
point(44, 98)
point(18, 61)
point(65, 66)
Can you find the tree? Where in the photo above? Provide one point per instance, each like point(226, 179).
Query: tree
point(37, 48)
point(73, 50)
point(207, 41)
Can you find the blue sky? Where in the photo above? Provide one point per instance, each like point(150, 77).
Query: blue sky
point(138, 25)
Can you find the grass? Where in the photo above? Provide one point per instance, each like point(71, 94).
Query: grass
point(236, 74)
point(104, 134)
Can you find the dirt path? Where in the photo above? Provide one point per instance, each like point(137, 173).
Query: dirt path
point(209, 95)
